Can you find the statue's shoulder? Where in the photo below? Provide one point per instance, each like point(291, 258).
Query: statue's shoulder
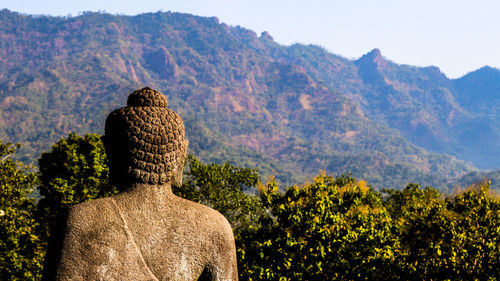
point(88, 214)
point(215, 233)
point(197, 209)
point(206, 218)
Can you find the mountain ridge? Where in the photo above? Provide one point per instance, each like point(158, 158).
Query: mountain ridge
point(289, 110)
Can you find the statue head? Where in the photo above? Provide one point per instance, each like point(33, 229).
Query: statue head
point(145, 141)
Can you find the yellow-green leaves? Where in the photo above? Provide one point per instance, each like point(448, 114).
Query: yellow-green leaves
point(340, 229)
point(75, 170)
point(328, 229)
point(21, 249)
point(331, 229)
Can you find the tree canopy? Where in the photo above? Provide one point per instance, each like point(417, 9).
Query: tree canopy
point(75, 170)
point(21, 248)
point(332, 228)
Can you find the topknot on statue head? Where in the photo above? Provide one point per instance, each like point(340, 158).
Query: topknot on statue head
point(147, 97)
point(145, 141)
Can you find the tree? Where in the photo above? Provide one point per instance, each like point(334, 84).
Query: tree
point(475, 249)
point(75, 170)
point(331, 229)
point(21, 249)
point(423, 226)
point(456, 238)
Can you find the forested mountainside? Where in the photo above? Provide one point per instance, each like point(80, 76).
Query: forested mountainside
point(288, 110)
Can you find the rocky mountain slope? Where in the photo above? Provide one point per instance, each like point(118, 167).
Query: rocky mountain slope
point(288, 110)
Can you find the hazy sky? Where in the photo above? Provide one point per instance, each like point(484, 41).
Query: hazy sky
point(457, 36)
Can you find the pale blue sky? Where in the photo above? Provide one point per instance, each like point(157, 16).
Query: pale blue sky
point(457, 36)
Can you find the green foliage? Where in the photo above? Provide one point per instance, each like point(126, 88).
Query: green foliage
point(21, 249)
point(421, 224)
point(331, 229)
point(75, 170)
point(339, 229)
point(475, 250)
point(453, 239)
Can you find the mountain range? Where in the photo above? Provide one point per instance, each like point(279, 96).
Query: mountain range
point(290, 111)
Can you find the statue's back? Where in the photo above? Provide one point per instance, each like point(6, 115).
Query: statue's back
point(145, 232)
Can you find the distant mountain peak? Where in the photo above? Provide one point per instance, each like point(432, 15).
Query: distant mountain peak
point(265, 35)
point(488, 69)
point(375, 53)
point(484, 73)
point(374, 57)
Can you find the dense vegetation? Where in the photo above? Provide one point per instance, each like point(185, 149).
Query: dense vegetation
point(21, 248)
point(332, 228)
point(290, 111)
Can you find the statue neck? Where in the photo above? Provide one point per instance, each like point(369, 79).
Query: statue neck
point(150, 190)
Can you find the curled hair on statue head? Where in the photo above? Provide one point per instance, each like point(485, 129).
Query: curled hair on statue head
point(145, 141)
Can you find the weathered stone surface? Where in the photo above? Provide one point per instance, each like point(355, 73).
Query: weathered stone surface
point(145, 232)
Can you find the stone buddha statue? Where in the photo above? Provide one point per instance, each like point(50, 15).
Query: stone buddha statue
point(145, 232)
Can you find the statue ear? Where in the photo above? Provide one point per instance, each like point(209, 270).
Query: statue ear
point(186, 144)
point(178, 172)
